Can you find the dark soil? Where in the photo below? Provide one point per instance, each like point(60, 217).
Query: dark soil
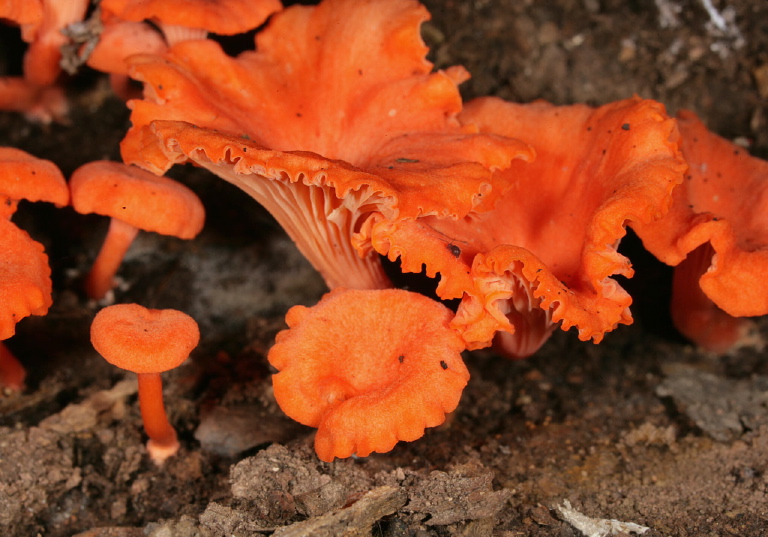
point(642, 428)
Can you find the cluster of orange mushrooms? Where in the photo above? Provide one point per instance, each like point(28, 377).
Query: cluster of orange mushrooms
point(339, 126)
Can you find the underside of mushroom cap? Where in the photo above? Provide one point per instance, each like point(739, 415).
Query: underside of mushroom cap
point(25, 278)
point(368, 368)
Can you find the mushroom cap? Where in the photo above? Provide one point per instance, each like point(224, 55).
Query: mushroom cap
point(226, 17)
point(368, 368)
point(25, 278)
point(143, 340)
point(723, 201)
point(137, 197)
point(121, 39)
point(23, 176)
point(323, 124)
point(22, 12)
point(550, 242)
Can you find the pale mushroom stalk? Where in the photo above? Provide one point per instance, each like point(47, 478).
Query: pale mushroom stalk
point(100, 279)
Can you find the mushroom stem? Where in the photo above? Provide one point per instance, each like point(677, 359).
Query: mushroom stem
point(12, 373)
point(695, 315)
point(163, 441)
point(119, 238)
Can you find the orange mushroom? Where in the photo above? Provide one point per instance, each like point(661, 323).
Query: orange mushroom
point(25, 278)
point(546, 252)
point(25, 289)
point(192, 19)
point(118, 40)
point(41, 22)
point(23, 176)
point(366, 388)
point(147, 342)
point(324, 125)
point(135, 200)
point(716, 234)
point(41, 61)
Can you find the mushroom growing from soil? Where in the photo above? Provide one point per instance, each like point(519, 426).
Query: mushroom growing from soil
point(25, 277)
point(42, 23)
point(135, 200)
point(147, 342)
point(364, 388)
point(25, 289)
point(716, 236)
point(546, 252)
point(324, 125)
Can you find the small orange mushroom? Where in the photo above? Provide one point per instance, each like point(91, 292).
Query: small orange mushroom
point(147, 342)
point(368, 368)
point(134, 199)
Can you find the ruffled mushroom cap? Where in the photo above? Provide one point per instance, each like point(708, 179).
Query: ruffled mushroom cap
point(226, 17)
point(716, 233)
point(25, 289)
point(23, 176)
point(372, 130)
point(135, 200)
point(368, 368)
point(547, 251)
point(25, 278)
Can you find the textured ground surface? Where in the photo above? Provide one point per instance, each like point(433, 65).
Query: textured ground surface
point(641, 429)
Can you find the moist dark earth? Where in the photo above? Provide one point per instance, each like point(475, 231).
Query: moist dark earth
point(643, 428)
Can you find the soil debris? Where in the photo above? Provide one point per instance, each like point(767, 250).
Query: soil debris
point(721, 407)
